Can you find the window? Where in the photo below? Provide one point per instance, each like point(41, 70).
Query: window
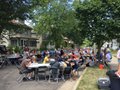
point(24, 42)
point(14, 42)
point(33, 43)
point(21, 43)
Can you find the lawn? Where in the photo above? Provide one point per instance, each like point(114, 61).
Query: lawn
point(90, 77)
point(114, 51)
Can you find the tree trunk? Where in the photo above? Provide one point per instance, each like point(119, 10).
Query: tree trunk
point(57, 44)
point(1, 33)
point(1, 29)
point(99, 45)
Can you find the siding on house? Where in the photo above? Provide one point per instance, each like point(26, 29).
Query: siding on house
point(113, 44)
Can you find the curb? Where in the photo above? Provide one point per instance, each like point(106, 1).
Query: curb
point(78, 81)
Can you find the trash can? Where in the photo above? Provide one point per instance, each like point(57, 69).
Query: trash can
point(114, 79)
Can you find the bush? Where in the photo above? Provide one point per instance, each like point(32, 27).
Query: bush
point(15, 49)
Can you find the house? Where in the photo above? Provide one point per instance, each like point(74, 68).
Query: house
point(114, 45)
point(23, 37)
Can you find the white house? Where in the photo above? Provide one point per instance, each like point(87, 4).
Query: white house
point(26, 37)
point(113, 44)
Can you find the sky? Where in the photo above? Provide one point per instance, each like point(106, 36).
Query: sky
point(29, 22)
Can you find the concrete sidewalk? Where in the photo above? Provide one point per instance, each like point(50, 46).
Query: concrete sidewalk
point(72, 84)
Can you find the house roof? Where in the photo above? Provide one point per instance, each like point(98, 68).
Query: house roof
point(20, 23)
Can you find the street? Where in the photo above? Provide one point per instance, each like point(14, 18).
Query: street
point(8, 81)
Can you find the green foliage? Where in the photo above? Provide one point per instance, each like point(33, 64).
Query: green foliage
point(17, 10)
point(86, 43)
point(15, 49)
point(99, 20)
point(12, 10)
point(44, 45)
point(56, 19)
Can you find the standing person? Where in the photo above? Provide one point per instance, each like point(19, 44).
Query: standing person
point(108, 56)
point(106, 51)
point(118, 57)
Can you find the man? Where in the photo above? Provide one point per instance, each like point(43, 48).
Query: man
point(108, 56)
point(74, 69)
point(55, 66)
point(24, 67)
point(118, 57)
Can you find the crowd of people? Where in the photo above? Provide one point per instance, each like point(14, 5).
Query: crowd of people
point(69, 59)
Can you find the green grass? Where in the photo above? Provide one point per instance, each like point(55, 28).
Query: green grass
point(90, 77)
point(114, 52)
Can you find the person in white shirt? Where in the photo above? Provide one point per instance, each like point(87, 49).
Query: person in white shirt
point(118, 57)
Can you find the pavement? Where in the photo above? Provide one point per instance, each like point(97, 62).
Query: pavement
point(8, 81)
point(72, 84)
point(9, 75)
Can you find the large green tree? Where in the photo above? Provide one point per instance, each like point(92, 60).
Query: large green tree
point(17, 10)
point(55, 19)
point(12, 10)
point(99, 20)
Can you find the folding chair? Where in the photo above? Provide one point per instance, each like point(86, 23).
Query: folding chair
point(42, 70)
point(3, 61)
point(54, 74)
point(67, 72)
point(22, 74)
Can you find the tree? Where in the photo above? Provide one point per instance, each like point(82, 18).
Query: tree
point(17, 10)
point(12, 10)
point(55, 19)
point(99, 20)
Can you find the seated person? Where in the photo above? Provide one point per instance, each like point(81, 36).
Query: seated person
point(54, 63)
point(55, 66)
point(74, 69)
point(24, 67)
point(39, 58)
point(88, 61)
point(67, 68)
point(46, 59)
point(81, 59)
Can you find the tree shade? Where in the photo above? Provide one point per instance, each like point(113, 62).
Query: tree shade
point(99, 20)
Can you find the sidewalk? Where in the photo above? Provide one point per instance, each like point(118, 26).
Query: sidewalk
point(71, 84)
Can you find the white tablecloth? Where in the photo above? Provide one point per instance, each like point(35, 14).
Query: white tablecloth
point(37, 65)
